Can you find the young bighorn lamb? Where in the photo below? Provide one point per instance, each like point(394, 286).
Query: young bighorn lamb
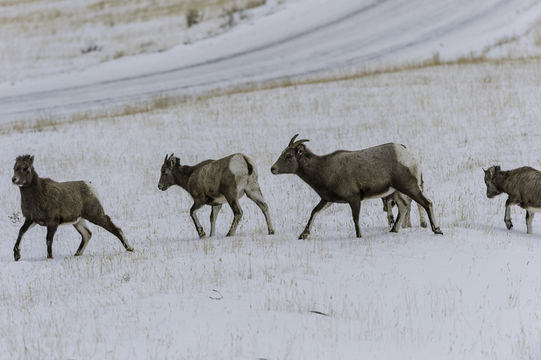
point(405, 201)
point(523, 185)
point(50, 203)
point(351, 176)
point(213, 182)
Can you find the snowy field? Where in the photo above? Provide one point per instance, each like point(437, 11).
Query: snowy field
point(473, 293)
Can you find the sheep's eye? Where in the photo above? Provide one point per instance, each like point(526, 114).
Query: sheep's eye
point(26, 170)
point(289, 156)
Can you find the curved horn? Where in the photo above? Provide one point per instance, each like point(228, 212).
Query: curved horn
point(168, 157)
point(293, 143)
point(298, 142)
point(292, 139)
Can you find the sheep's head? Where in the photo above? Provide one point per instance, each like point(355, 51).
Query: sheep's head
point(167, 178)
point(288, 162)
point(490, 174)
point(23, 170)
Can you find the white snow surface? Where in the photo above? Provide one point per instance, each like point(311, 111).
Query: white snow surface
point(298, 38)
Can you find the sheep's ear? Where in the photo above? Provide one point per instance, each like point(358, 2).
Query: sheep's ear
point(171, 163)
point(300, 150)
point(31, 161)
point(484, 170)
point(177, 162)
point(497, 168)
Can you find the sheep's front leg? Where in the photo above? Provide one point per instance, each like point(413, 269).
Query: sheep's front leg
point(355, 209)
point(320, 206)
point(26, 226)
point(529, 220)
point(507, 217)
point(237, 215)
point(196, 222)
point(51, 230)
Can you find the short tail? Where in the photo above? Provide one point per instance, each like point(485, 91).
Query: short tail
point(249, 165)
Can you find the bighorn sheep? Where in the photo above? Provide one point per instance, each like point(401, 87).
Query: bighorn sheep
point(523, 185)
point(213, 182)
point(351, 176)
point(399, 198)
point(50, 203)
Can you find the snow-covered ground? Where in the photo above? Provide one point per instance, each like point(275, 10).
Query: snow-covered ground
point(473, 293)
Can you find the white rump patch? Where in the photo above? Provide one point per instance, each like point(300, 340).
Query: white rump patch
point(238, 165)
point(92, 188)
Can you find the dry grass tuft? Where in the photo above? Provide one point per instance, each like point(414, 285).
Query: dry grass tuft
point(164, 101)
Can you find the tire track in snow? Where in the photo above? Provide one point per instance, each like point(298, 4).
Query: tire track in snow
point(258, 63)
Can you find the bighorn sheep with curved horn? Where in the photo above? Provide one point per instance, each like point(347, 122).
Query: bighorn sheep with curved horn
point(351, 176)
point(50, 203)
point(213, 182)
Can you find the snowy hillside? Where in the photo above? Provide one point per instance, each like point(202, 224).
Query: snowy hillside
point(473, 293)
point(298, 38)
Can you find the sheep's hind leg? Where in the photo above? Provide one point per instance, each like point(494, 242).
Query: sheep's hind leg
point(213, 216)
point(85, 233)
point(388, 208)
point(418, 196)
point(256, 196)
point(106, 223)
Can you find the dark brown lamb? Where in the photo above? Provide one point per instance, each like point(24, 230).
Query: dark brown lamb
point(523, 185)
point(49, 203)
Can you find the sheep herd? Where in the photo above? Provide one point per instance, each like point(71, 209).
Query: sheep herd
point(387, 171)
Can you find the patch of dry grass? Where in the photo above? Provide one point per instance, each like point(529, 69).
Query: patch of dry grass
point(162, 102)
